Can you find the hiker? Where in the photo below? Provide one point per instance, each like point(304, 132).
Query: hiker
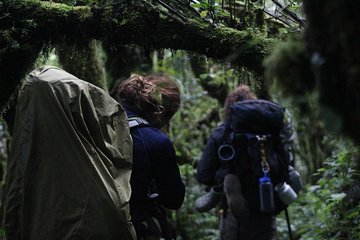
point(150, 102)
point(228, 174)
point(68, 172)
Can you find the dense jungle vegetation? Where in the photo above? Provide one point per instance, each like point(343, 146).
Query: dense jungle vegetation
point(302, 54)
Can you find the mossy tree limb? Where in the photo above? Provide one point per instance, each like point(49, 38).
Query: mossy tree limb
point(26, 27)
point(31, 23)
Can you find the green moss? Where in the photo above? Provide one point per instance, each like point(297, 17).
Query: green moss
point(245, 48)
point(64, 10)
point(47, 23)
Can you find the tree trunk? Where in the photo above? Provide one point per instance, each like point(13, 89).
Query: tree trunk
point(332, 38)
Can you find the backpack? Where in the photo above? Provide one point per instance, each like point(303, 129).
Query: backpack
point(252, 142)
point(70, 163)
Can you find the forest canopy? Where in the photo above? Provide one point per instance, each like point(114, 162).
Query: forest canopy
point(31, 27)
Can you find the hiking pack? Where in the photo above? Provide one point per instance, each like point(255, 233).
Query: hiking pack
point(69, 168)
point(253, 150)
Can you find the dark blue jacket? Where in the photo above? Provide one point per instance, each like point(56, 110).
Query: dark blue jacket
point(154, 168)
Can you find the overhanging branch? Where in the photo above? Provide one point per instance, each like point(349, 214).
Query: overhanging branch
point(31, 22)
point(143, 24)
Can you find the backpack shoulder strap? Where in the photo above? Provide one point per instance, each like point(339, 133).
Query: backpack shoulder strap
point(226, 135)
point(137, 121)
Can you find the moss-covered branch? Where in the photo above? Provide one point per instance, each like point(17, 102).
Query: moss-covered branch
point(26, 27)
point(154, 30)
point(29, 23)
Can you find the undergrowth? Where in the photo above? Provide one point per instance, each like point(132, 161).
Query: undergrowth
point(330, 208)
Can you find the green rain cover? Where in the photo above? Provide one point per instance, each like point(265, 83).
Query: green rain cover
point(70, 162)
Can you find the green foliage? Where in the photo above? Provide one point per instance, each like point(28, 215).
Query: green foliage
point(194, 225)
point(211, 11)
point(329, 209)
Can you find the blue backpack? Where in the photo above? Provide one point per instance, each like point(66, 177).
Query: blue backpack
point(253, 148)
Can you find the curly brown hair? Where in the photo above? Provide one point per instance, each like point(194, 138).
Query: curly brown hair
point(155, 95)
point(241, 92)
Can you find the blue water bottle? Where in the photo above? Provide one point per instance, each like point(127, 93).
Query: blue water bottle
point(266, 194)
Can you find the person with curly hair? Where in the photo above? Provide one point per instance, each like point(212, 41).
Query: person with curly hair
point(150, 103)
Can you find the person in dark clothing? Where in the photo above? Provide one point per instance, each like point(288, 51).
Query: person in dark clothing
point(211, 172)
point(156, 182)
point(237, 221)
